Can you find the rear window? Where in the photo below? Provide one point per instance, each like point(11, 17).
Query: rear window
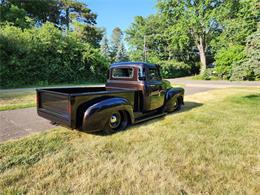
point(122, 73)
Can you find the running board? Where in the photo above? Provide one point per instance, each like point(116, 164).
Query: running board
point(149, 118)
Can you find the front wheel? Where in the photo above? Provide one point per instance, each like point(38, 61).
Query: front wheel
point(174, 105)
point(117, 121)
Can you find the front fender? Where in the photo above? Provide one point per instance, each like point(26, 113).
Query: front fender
point(174, 93)
point(96, 116)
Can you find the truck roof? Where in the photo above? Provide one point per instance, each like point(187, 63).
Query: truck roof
point(143, 64)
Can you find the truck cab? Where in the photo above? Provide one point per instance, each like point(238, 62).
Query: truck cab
point(143, 77)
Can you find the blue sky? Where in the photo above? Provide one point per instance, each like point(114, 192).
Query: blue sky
point(121, 13)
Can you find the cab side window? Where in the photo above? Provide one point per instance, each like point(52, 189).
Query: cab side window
point(153, 74)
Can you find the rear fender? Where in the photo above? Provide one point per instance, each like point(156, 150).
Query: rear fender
point(96, 116)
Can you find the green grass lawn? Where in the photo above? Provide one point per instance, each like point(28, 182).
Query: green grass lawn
point(15, 100)
point(211, 147)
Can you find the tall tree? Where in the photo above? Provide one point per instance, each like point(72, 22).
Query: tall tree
point(121, 54)
point(104, 47)
point(76, 11)
point(40, 11)
point(195, 19)
point(116, 39)
point(149, 33)
point(162, 42)
point(61, 12)
point(15, 15)
point(237, 20)
point(69, 15)
point(249, 68)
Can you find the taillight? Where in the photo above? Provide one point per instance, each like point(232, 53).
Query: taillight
point(69, 108)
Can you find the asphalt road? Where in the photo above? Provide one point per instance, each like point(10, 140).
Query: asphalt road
point(22, 122)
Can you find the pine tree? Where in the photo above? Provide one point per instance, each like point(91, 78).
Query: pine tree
point(116, 39)
point(104, 47)
point(121, 54)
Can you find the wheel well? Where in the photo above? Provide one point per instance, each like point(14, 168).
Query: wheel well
point(83, 107)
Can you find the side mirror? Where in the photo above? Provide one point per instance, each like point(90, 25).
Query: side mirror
point(142, 78)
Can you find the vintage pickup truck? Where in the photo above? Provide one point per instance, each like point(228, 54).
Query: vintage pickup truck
point(134, 92)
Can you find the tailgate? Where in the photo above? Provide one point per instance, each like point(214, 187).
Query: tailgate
point(54, 106)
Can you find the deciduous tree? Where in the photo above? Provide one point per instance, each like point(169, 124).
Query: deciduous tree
point(195, 19)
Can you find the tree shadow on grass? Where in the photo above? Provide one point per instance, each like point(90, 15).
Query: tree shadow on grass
point(187, 107)
point(252, 97)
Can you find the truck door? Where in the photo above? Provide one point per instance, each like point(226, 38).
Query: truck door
point(154, 91)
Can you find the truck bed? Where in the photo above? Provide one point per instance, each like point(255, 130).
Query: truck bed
point(60, 105)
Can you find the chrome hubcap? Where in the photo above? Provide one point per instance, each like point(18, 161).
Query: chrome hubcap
point(113, 119)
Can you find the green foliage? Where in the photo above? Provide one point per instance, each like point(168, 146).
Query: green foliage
point(173, 68)
point(160, 46)
point(17, 16)
point(121, 54)
point(237, 20)
point(196, 32)
point(48, 42)
point(117, 49)
point(208, 74)
point(149, 30)
point(226, 58)
point(116, 39)
point(45, 55)
point(40, 11)
point(249, 68)
point(191, 21)
point(114, 50)
point(104, 47)
point(67, 15)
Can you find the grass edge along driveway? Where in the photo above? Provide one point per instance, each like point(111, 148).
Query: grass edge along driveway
point(17, 100)
point(25, 98)
point(211, 147)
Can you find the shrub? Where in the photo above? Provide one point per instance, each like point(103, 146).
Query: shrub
point(245, 70)
point(209, 74)
point(173, 68)
point(46, 56)
point(226, 57)
point(249, 68)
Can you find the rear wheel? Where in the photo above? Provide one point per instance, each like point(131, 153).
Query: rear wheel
point(117, 121)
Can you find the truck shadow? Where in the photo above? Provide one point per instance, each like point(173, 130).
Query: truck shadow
point(187, 107)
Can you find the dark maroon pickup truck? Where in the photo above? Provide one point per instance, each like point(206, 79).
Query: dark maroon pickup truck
point(134, 92)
